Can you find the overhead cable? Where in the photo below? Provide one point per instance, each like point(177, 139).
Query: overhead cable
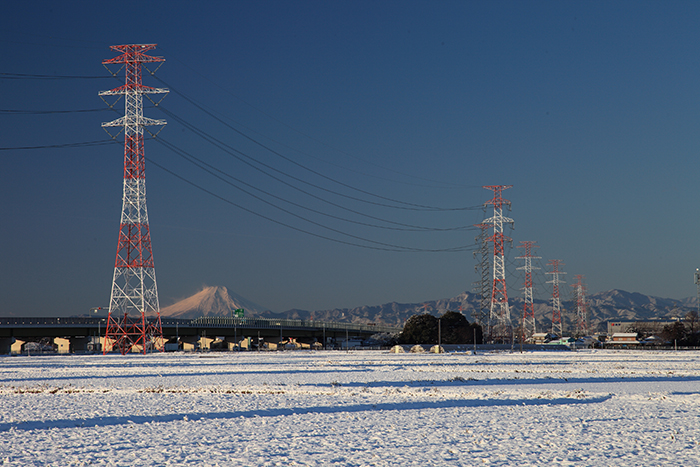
point(54, 146)
point(315, 172)
point(32, 76)
point(42, 112)
point(383, 246)
point(206, 167)
point(231, 150)
point(228, 91)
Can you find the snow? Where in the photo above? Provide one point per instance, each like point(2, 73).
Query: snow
point(365, 408)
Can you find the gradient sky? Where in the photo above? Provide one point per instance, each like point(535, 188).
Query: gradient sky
point(591, 110)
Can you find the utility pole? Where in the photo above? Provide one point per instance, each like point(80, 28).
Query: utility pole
point(528, 324)
point(134, 291)
point(499, 313)
point(556, 302)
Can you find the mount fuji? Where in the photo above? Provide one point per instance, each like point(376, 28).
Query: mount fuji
point(211, 301)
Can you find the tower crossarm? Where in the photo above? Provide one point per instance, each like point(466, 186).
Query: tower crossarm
point(136, 121)
point(497, 201)
point(493, 220)
point(124, 89)
point(133, 53)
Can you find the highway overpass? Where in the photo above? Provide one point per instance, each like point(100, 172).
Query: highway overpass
point(80, 331)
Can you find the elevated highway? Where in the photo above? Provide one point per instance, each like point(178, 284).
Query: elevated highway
point(81, 330)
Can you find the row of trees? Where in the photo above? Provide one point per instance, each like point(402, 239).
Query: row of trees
point(450, 328)
point(684, 332)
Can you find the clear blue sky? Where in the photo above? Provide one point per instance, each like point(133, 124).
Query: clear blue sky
point(591, 110)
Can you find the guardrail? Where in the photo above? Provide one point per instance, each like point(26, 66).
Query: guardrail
point(4, 322)
point(264, 323)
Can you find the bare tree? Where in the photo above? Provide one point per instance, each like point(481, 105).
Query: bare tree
point(692, 319)
point(645, 329)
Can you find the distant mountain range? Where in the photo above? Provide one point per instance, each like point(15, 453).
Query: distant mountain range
point(602, 307)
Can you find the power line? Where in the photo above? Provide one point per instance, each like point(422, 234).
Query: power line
point(203, 109)
point(253, 140)
point(53, 41)
point(201, 164)
point(32, 76)
point(55, 146)
point(230, 150)
point(384, 247)
point(43, 112)
point(317, 223)
point(228, 91)
point(21, 76)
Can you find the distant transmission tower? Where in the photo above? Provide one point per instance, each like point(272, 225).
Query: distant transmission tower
point(134, 290)
point(528, 325)
point(697, 284)
point(581, 306)
point(483, 268)
point(500, 326)
point(556, 302)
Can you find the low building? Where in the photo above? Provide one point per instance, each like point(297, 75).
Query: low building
point(539, 338)
point(62, 345)
point(205, 343)
point(645, 327)
point(188, 346)
point(623, 339)
point(16, 346)
point(567, 341)
point(586, 342)
point(652, 341)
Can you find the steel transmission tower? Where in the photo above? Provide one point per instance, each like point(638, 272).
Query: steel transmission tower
point(581, 306)
point(697, 283)
point(556, 302)
point(500, 327)
point(133, 322)
point(483, 267)
point(528, 325)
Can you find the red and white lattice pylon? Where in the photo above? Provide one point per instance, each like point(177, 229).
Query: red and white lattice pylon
point(556, 301)
point(528, 324)
point(500, 326)
point(581, 306)
point(133, 322)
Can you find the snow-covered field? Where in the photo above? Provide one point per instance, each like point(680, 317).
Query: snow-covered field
point(368, 408)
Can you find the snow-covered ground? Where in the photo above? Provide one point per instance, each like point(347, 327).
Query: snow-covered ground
point(368, 408)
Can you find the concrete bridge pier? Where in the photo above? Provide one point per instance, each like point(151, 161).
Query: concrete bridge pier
point(79, 344)
point(6, 345)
